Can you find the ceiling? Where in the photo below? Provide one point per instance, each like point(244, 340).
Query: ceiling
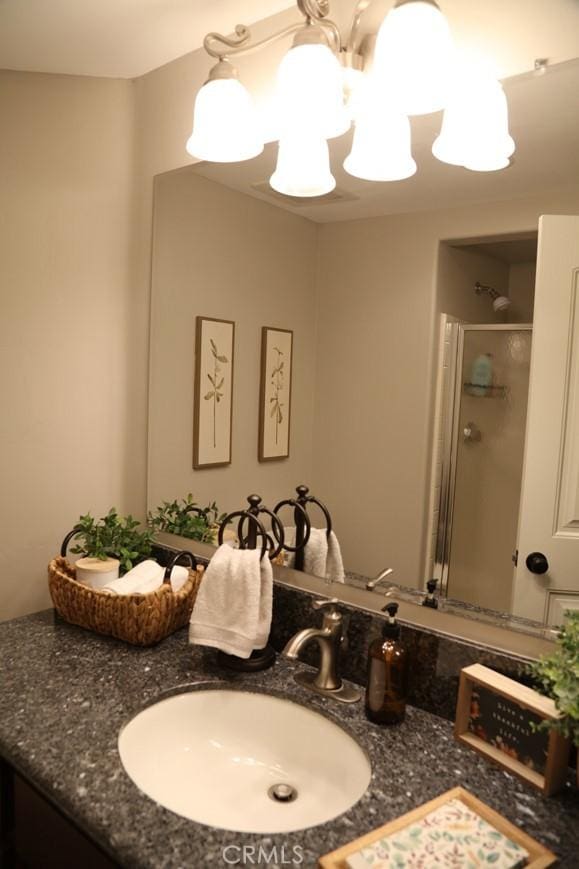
point(127, 38)
point(511, 252)
point(117, 38)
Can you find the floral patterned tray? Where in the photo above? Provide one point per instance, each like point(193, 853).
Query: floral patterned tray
point(454, 830)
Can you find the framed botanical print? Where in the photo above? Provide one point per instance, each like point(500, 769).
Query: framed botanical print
point(275, 394)
point(213, 403)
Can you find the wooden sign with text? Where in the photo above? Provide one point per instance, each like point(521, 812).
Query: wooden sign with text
point(498, 717)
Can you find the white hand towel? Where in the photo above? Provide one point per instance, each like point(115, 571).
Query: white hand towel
point(233, 607)
point(322, 556)
point(316, 553)
point(334, 563)
point(146, 577)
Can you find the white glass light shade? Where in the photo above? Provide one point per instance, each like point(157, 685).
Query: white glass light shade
point(225, 126)
point(413, 57)
point(475, 126)
point(310, 94)
point(381, 147)
point(303, 167)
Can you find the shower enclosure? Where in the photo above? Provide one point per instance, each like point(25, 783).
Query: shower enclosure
point(482, 438)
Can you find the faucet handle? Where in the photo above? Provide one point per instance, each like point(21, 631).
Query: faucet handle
point(321, 604)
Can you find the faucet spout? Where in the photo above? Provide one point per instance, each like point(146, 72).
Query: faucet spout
point(299, 640)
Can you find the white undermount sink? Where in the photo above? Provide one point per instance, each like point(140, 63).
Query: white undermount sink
point(243, 761)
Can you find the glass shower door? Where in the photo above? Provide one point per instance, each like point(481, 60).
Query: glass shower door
point(490, 411)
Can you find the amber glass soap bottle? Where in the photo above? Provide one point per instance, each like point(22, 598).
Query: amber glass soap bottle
point(387, 674)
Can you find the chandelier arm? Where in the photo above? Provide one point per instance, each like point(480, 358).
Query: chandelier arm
point(336, 37)
point(361, 7)
point(230, 43)
point(231, 47)
point(316, 9)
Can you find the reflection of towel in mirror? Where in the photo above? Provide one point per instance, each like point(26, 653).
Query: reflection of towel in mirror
point(232, 611)
point(322, 556)
point(146, 577)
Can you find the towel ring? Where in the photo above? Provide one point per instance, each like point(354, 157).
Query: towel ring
point(305, 498)
point(260, 530)
point(275, 544)
point(291, 502)
point(175, 560)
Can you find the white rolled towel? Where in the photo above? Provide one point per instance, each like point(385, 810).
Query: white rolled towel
point(146, 577)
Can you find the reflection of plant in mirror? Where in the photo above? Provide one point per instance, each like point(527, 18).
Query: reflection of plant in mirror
point(113, 537)
point(176, 517)
point(558, 677)
point(215, 393)
point(277, 387)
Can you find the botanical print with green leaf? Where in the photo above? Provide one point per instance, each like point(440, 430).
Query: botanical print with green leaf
point(276, 393)
point(276, 410)
point(450, 836)
point(217, 381)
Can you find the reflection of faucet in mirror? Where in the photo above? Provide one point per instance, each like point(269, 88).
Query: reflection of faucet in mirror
point(372, 583)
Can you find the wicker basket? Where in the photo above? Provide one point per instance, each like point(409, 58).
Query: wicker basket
point(140, 619)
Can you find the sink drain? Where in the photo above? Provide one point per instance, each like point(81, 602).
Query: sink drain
point(282, 793)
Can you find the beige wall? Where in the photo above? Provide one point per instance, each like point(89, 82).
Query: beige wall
point(377, 297)
point(73, 381)
point(458, 272)
point(522, 292)
point(218, 253)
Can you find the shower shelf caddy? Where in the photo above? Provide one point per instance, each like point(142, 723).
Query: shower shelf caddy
point(490, 391)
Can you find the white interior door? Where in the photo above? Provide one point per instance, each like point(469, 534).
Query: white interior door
point(547, 582)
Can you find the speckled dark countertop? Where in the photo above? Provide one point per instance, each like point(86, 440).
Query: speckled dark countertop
point(65, 693)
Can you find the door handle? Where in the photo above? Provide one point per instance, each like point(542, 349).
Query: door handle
point(471, 432)
point(537, 562)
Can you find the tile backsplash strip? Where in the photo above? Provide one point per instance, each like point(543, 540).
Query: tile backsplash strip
point(436, 661)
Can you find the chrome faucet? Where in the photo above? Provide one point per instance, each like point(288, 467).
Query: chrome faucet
point(329, 637)
point(372, 583)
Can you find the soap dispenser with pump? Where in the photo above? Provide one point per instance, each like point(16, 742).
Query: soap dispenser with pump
point(387, 686)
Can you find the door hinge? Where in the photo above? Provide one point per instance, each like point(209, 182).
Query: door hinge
point(515, 557)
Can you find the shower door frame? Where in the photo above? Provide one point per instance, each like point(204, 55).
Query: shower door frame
point(449, 429)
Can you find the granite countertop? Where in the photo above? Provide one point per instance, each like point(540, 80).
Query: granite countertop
point(65, 693)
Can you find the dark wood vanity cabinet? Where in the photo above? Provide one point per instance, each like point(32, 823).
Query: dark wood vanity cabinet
point(35, 835)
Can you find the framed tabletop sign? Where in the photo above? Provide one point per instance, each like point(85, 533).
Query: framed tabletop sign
point(501, 719)
point(213, 402)
point(275, 394)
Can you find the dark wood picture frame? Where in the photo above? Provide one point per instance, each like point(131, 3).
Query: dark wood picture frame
point(203, 345)
point(267, 405)
point(520, 697)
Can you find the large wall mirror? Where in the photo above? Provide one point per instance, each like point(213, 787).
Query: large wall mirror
point(413, 318)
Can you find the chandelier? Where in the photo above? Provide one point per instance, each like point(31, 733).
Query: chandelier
point(324, 85)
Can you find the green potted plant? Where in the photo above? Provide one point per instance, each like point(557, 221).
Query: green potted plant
point(109, 546)
point(187, 519)
point(558, 677)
